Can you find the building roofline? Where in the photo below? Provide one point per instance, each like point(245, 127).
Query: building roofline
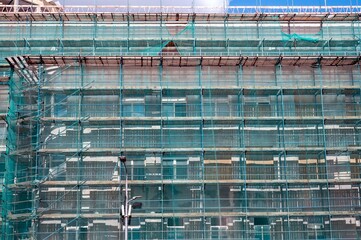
point(52, 7)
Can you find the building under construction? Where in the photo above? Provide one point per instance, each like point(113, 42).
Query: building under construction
point(236, 124)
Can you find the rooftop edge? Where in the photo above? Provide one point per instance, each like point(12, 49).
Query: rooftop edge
point(182, 9)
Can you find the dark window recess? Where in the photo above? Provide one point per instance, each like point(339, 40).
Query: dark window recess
point(261, 221)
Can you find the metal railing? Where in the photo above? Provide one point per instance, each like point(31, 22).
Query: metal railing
point(182, 9)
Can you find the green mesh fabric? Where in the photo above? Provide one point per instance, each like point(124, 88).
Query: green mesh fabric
point(303, 37)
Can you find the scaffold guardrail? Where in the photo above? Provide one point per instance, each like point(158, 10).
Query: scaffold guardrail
point(182, 9)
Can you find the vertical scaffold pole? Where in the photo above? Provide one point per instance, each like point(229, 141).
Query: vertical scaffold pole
point(9, 175)
point(324, 140)
point(202, 200)
point(16, 5)
point(193, 34)
point(36, 142)
point(121, 138)
point(95, 31)
point(80, 165)
point(282, 158)
point(242, 145)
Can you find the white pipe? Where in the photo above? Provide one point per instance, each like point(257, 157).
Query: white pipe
point(16, 5)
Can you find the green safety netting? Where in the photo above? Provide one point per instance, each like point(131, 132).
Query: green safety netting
point(23, 103)
point(271, 33)
point(301, 37)
point(165, 39)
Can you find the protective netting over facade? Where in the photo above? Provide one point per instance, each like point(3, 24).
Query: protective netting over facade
point(233, 129)
point(184, 34)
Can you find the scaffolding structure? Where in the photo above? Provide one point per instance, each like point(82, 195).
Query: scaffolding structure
point(235, 126)
point(191, 34)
